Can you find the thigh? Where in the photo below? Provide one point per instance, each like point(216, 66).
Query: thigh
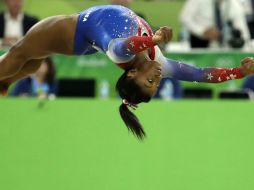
point(52, 35)
point(28, 68)
point(31, 66)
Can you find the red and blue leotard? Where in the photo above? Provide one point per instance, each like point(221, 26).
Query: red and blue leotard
point(120, 34)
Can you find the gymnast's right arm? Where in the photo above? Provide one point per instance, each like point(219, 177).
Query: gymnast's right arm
point(182, 71)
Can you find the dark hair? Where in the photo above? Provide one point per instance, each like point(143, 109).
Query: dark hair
point(129, 90)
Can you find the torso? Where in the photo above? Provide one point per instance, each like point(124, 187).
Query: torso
point(98, 25)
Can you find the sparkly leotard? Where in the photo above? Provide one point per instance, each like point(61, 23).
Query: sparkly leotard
point(120, 34)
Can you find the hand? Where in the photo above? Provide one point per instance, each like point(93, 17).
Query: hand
point(247, 66)
point(163, 35)
point(211, 34)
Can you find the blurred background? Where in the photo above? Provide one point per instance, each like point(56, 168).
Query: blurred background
point(60, 128)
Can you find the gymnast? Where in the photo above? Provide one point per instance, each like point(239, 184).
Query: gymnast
point(126, 39)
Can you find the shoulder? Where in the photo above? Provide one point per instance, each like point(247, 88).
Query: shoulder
point(114, 47)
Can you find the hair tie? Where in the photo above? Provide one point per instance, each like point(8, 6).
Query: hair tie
point(131, 105)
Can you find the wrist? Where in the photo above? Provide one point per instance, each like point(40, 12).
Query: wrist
point(239, 72)
point(139, 43)
point(155, 40)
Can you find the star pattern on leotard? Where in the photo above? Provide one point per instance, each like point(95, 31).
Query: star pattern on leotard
point(132, 44)
point(232, 76)
point(180, 64)
point(210, 76)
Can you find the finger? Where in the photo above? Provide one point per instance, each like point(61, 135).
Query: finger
point(159, 32)
point(248, 67)
point(247, 59)
point(165, 35)
point(165, 32)
point(165, 28)
point(251, 65)
point(169, 34)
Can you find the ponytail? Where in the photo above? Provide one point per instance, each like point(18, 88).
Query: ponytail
point(131, 121)
point(132, 95)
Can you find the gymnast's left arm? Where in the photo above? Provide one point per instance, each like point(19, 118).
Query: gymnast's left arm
point(122, 50)
point(185, 72)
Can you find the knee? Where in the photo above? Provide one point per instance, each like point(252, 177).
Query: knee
point(12, 62)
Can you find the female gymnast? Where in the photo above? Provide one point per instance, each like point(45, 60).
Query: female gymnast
point(126, 39)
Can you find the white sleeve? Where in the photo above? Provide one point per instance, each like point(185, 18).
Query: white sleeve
point(160, 58)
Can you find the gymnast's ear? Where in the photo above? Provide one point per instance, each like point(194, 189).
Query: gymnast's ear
point(132, 73)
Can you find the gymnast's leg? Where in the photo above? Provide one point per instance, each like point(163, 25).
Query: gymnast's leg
point(52, 35)
point(12, 62)
point(28, 68)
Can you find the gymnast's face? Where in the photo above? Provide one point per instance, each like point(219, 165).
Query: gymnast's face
point(148, 77)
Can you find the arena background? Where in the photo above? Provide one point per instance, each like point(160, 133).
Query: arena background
point(73, 144)
point(166, 10)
